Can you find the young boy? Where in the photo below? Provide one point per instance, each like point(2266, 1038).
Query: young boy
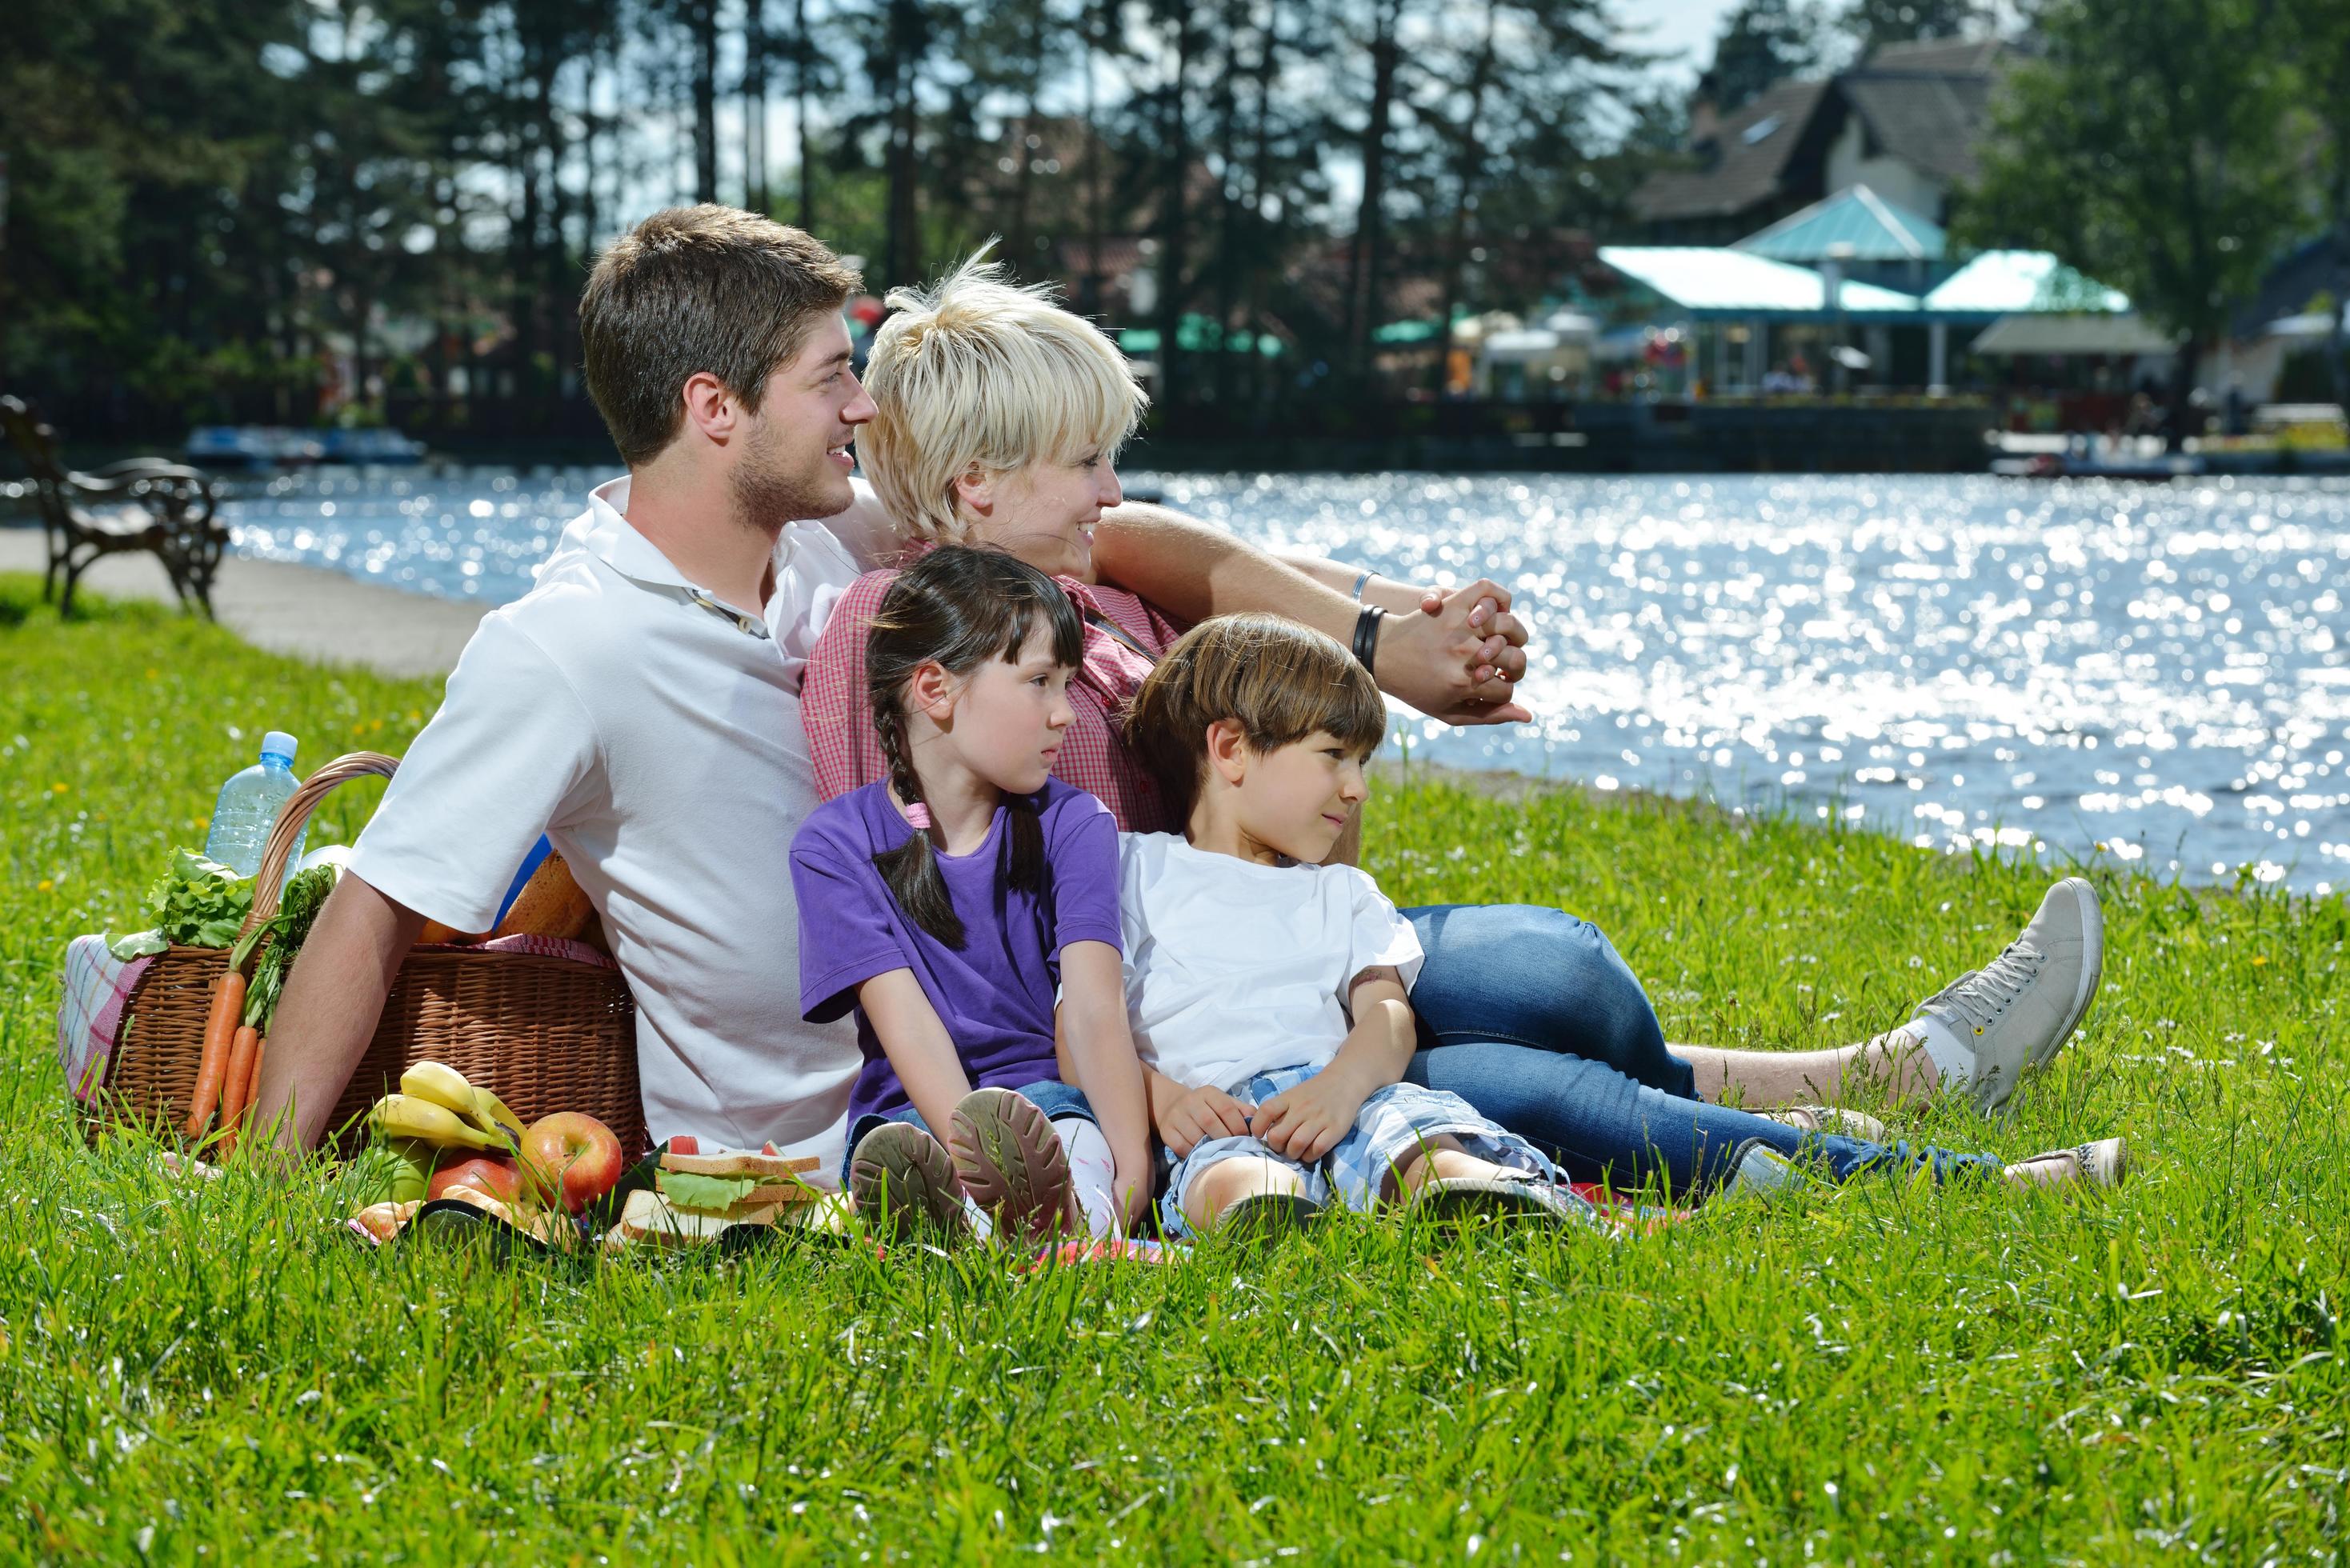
point(1268, 992)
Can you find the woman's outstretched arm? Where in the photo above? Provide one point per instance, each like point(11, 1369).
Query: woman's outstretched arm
point(1460, 664)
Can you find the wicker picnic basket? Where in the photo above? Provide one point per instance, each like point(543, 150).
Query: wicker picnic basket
point(545, 1034)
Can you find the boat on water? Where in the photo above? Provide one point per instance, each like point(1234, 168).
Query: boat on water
point(251, 446)
point(374, 443)
point(2270, 450)
point(281, 446)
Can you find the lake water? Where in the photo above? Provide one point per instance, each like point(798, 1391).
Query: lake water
point(2156, 673)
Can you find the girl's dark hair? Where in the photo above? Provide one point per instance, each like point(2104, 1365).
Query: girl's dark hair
point(958, 607)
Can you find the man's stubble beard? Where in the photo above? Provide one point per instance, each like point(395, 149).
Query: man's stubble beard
point(768, 493)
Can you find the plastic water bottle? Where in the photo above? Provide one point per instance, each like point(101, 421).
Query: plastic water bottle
point(248, 805)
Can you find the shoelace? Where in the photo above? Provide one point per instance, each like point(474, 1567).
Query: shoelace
point(1983, 994)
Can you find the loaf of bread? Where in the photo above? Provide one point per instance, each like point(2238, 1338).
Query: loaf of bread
point(549, 905)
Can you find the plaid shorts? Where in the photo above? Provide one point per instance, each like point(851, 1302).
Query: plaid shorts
point(1393, 1122)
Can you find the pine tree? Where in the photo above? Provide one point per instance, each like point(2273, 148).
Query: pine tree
point(1763, 43)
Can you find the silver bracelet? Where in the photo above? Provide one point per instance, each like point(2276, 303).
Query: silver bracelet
point(1363, 582)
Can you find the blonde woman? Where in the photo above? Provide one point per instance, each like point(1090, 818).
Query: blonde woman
point(999, 419)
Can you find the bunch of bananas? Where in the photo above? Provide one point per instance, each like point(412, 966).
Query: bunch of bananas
point(437, 1109)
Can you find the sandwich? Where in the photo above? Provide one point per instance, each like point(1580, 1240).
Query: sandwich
point(696, 1195)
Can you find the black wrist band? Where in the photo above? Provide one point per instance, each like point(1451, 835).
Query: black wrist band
point(1366, 635)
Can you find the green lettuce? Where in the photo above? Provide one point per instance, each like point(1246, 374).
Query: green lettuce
point(705, 1194)
point(199, 903)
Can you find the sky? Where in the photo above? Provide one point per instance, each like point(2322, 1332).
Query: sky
point(1682, 28)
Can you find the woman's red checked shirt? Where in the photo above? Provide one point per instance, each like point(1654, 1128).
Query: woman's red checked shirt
point(847, 753)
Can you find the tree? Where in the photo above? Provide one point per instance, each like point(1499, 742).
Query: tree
point(1763, 43)
point(2317, 35)
point(1013, 52)
point(1365, 304)
point(904, 44)
point(1519, 97)
point(1875, 22)
point(2146, 148)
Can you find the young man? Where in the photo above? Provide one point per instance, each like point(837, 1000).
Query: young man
point(641, 704)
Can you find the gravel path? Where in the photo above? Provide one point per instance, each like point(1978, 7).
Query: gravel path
point(313, 614)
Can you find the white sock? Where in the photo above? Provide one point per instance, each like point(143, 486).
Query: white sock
point(1952, 1060)
point(1093, 1172)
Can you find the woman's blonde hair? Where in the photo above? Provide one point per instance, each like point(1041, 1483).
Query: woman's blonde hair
point(1280, 681)
point(976, 371)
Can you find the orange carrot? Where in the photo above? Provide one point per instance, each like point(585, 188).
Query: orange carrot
point(220, 1035)
point(237, 1085)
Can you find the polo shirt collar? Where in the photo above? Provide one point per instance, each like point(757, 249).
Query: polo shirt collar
point(607, 535)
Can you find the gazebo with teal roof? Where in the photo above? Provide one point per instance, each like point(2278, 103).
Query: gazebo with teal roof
point(1874, 268)
point(1876, 241)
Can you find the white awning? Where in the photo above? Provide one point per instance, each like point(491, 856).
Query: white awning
point(2038, 334)
point(1713, 282)
point(2021, 281)
point(1526, 343)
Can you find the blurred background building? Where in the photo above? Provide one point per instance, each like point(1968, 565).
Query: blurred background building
point(1378, 217)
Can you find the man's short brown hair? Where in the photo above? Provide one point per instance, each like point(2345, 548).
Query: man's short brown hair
point(693, 289)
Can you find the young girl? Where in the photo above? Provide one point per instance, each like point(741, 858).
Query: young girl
point(960, 906)
point(1268, 992)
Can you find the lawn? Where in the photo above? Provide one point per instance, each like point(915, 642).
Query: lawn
point(1890, 1373)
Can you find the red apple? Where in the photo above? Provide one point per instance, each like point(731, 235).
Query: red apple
point(484, 1173)
point(572, 1158)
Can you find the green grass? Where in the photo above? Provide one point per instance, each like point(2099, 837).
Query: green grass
point(1885, 1373)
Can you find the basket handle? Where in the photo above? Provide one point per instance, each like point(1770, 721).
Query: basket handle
point(294, 816)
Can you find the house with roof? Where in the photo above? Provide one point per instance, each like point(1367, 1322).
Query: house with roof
point(1905, 122)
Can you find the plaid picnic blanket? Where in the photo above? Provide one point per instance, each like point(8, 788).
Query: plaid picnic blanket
point(89, 1014)
point(543, 947)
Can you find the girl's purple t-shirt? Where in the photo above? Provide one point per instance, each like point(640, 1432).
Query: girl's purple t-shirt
point(995, 994)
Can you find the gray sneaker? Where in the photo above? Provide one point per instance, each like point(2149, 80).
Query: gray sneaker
point(1833, 1120)
point(2010, 1018)
point(1758, 1170)
point(2104, 1163)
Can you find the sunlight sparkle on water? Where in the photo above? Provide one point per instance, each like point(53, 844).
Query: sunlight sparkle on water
point(2159, 669)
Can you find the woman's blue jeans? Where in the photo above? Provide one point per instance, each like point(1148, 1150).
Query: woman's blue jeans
point(1532, 1016)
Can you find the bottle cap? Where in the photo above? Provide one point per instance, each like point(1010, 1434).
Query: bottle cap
point(278, 743)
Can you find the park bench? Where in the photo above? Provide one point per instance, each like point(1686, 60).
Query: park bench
point(145, 503)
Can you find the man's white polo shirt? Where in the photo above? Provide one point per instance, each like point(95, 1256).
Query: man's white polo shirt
point(654, 735)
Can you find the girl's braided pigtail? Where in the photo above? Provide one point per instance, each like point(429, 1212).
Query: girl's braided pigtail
point(912, 870)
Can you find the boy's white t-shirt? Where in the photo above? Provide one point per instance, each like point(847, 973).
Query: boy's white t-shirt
point(655, 737)
point(1233, 968)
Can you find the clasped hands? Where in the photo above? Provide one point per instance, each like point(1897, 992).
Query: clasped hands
point(1459, 659)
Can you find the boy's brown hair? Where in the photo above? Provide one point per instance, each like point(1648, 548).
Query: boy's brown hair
point(693, 289)
point(1280, 681)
